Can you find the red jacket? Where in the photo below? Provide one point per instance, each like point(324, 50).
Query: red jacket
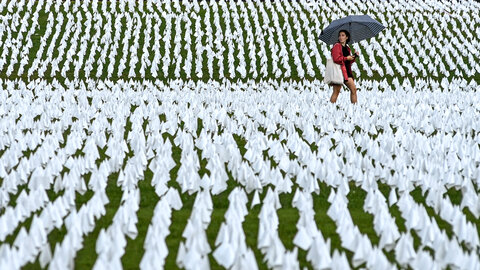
point(338, 58)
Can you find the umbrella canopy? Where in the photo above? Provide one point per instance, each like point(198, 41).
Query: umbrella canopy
point(360, 27)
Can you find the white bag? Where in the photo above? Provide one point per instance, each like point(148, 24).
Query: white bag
point(333, 73)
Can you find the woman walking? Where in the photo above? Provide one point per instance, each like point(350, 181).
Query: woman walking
point(341, 54)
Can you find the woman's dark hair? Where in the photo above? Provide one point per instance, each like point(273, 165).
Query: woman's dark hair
point(346, 33)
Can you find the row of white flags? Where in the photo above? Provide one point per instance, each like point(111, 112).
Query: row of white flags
point(404, 135)
point(242, 39)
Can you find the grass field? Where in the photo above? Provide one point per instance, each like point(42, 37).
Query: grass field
point(123, 101)
point(78, 46)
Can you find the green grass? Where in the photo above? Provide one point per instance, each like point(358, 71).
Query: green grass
point(87, 255)
point(148, 200)
point(284, 22)
point(288, 216)
point(364, 221)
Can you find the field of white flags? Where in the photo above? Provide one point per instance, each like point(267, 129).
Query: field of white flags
point(200, 135)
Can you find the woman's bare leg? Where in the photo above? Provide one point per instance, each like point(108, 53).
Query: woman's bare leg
point(353, 90)
point(336, 92)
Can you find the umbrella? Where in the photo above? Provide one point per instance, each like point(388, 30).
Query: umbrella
point(360, 27)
